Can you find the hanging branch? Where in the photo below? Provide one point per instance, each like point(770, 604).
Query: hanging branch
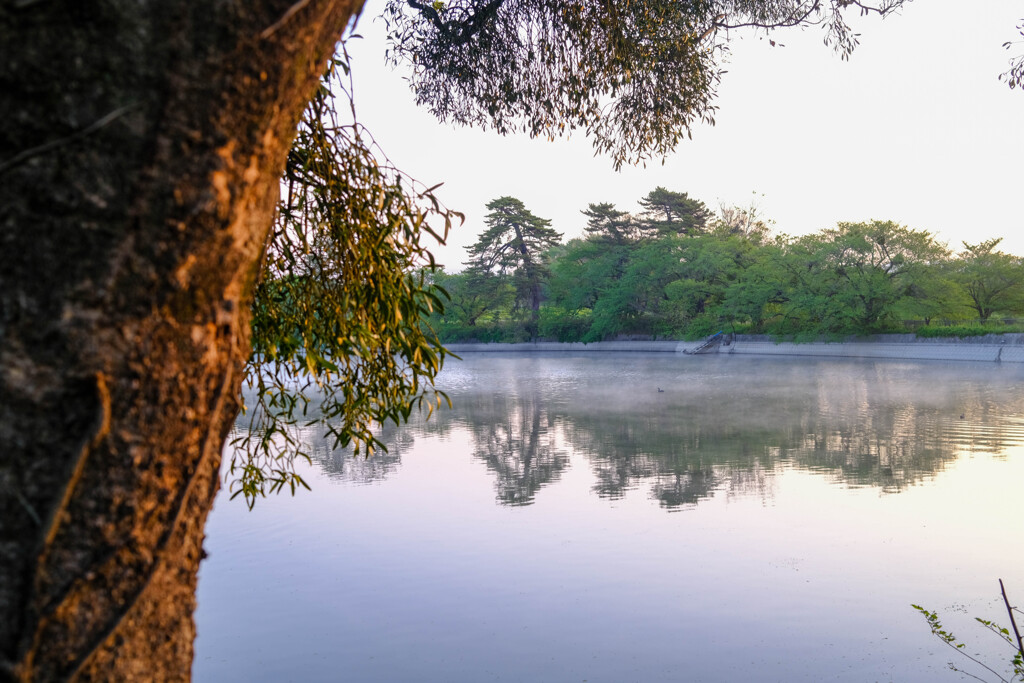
point(1013, 622)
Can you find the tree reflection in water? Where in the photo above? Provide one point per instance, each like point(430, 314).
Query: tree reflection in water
point(515, 437)
point(723, 426)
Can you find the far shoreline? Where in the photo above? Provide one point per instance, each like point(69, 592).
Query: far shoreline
point(1007, 348)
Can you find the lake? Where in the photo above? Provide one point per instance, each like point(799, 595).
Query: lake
point(614, 517)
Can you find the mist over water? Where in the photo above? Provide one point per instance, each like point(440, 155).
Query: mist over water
point(523, 534)
point(715, 423)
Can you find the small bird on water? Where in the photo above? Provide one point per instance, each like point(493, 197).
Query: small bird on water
point(662, 391)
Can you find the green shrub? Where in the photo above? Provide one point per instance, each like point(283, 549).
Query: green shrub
point(975, 330)
point(486, 333)
point(701, 327)
point(563, 326)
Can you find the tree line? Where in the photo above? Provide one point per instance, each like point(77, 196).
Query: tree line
point(677, 269)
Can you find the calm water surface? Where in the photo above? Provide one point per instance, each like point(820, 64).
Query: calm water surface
point(756, 519)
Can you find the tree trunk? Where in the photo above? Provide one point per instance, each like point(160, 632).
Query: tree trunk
point(140, 152)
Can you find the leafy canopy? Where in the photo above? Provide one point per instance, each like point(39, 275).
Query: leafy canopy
point(851, 279)
point(993, 280)
point(635, 76)
point(337, 332)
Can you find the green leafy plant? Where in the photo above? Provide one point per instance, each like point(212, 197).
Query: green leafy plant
point(339, 334)
point(968, 330)
point(1011, 638)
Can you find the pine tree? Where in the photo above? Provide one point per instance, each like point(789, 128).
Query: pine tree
point(671, 213)
point(515, 244)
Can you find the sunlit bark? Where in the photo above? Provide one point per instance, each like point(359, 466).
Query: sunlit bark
point(139, 158)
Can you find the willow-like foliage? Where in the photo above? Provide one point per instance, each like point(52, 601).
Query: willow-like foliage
point(1014, 75)
point(339, 336)
point(636, 75)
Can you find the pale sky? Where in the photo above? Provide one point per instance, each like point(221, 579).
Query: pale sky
point(914, 128)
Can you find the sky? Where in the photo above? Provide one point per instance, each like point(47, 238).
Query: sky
point(915, 127)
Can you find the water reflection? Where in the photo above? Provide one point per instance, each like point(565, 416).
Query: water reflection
point(340, 464)
point(515, 437)
point(720, 426)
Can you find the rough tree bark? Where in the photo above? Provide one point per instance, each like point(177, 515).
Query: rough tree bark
point(141, 142)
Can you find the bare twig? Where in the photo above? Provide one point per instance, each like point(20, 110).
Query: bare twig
point(27, 505)
point(289, 13)
point(789, 22)
point(968, 673)
point(1013, 622)
point(797, 18)
point(27, 154)
point(975, 660)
